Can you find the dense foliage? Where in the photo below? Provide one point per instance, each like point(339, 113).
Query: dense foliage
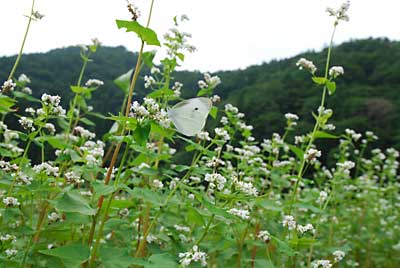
point(119, 197)
point(369, 98)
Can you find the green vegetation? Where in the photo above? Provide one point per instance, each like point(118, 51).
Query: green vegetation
point(368, 99)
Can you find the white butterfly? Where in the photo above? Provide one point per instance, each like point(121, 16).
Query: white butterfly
point(189, 116)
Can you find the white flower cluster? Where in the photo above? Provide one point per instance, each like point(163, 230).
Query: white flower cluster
point(215, 98)
point(11, 201)
point(181, 228)
point(8, 85)
point(177, 89)
point(94, 83)
point(150, 110)
point(27, 123)
point(292, 117)
point(50, 127)
point(305, 228)
point(311, 155)
point(47, 168)
point(209, 81)
point(354, 135)
point(84, 133)
point(73, 177)
point(194, 255)
point(338, 255)
point(21, 178)
point(322, 197)
point(157, 184)
point(335, 71)
point(241, 213)
point(93, 152)
point(289, 222)
point(8, 238)
point(245, 187)
point(215, 180)
point(53, 217)
point(322, 263)
point(155, 70)
point(7, 166)
point(222, 133)
point(340, 13)
point(264, 236)
point(149, 81)
point(306, 65)
point(346, 166)
point(203, 135)
point(23, 78)
point(11, 252)
point(53, 105)
point(177, 41)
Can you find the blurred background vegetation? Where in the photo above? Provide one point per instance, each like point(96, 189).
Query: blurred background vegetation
point(367, 96)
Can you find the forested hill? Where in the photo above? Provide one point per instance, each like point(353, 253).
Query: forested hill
point(367, 96)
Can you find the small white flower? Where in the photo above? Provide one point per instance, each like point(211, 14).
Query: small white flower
point(289, 222)
point(11, 252)
point(292, 117)
point(241, 213)
point(307, 65)
point(94, 83)
point(8, 85)
point(322, 197)
point(27, 123)
point(322, 263)
point(311, 155)
point(155, 70)
point(264, 236)
point(149, 81)
point(23, 78)
point(11, 201)
point(335, 71)
point(338, 255)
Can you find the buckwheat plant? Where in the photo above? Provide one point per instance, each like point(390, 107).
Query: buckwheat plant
point(144, 195)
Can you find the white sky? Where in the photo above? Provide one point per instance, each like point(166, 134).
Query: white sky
point(228, 34)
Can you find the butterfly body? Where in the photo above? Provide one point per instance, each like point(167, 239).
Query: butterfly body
point(189, 116)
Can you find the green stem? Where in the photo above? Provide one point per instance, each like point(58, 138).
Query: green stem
point(23, 44)
point(316, 126)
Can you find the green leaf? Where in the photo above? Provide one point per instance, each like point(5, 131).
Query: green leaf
point(5, 104)
point(119, 257)
point(331, 86)
point(161, 93)
point(141, 133)
point(148, 57)
point(124, 81)
point(297, 151)
point(74, 202)
point(101, 189)
point(25, 96)
point(324, 135)
point(214, 112)
point(205, 91)
point(319, 80)
point(217, 210)
point(87, 122)
point(181, 56)
point(164, 260)
point(146, 34)
point(71, 255)
point(147, 195)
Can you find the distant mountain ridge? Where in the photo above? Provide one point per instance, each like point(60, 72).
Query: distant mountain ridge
point(367, 97)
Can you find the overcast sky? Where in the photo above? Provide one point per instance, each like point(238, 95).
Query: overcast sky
point(228, 34)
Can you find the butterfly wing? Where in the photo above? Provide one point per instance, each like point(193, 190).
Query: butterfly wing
point(189, 116)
